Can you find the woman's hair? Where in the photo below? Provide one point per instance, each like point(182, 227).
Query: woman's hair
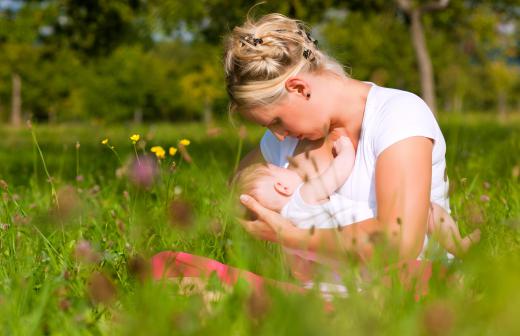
point(261, 55)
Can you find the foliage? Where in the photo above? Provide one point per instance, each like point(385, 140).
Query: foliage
point(150, 60)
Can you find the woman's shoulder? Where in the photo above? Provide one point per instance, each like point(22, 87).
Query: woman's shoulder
point(394, 105)
point(389, 99)
point(399, 114)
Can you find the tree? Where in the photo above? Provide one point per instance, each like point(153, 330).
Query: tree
point(415, 12)
point(18, 32)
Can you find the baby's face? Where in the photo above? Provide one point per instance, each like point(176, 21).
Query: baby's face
point(274, 191)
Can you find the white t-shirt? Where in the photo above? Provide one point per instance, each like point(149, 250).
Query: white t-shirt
point(390, 116)
point(337, 211)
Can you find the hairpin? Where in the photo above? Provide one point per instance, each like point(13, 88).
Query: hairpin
point(249, 39)
point(307, 53)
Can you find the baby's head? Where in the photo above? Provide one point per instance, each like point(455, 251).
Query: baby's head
point(270, 185)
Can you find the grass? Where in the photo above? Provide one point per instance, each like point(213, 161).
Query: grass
point(73, 263)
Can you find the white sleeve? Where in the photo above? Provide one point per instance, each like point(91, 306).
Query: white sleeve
point(276, 152)
point(404, 115)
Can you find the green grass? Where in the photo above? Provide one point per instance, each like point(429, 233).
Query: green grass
point(44, 285)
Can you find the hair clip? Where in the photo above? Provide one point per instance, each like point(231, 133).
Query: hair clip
point(249, 39)
point(307, 53)
point(309, 37)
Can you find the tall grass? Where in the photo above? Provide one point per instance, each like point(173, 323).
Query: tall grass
point(78, 265)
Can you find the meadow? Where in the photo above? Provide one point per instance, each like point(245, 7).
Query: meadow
point(78, 225)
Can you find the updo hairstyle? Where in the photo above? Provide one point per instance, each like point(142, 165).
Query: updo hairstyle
point(261, 55)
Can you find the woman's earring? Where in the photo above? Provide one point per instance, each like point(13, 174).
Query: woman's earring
point(308, 95)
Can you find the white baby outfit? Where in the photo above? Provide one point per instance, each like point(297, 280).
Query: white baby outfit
point(338, 211)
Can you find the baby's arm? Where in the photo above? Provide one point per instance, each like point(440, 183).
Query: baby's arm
point(318, 189)
point(442, 226)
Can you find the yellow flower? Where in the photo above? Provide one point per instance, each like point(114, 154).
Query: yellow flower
point(135, 138)
point(184, 142)
point(159, 151)
point(172, 151)
point(104, 141)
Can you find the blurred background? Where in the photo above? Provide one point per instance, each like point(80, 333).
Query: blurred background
point(150, 60)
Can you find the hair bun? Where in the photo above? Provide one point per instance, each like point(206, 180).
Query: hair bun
point(261, 55)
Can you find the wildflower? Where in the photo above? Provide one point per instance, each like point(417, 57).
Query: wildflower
point(172, 151)
point(84, 252)
point(158, 151)
point(485, 198)
point(135, 138)
point(104, 141)
point(143, 172)
point(184, 142)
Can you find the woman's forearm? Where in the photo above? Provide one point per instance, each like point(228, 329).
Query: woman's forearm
point(351, 239)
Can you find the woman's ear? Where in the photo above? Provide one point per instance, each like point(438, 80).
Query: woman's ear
point(299, 86)
point(282, 188)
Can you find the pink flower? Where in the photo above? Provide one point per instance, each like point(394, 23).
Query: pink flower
point(143, 172)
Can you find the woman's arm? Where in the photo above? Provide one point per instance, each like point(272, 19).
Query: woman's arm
point(403, 184)
point(403, 177)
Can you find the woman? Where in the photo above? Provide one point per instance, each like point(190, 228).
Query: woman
point(278, 78)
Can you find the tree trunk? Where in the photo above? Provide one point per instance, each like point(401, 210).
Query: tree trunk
point(16, 100)
point(502, 105)
point(207, 112)
point(423, 59)
point(138, 116)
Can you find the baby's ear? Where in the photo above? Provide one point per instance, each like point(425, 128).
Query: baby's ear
point(282, 188)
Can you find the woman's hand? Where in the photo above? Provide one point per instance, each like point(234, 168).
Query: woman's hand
point(267, 225)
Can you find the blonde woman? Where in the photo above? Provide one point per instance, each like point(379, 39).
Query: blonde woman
point(277, 77)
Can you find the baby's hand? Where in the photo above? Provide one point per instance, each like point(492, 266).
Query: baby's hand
point(344, 146)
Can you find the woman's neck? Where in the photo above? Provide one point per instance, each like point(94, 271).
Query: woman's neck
point(351, 98)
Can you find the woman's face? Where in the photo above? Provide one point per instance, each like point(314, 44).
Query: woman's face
point(293, 116)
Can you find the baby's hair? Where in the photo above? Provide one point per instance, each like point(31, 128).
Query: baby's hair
point(261, 55)
point(247, 180)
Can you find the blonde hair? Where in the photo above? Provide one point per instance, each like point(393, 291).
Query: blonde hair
point(248, 179)
point(261, 55)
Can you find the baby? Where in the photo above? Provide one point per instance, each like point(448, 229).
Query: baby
point(314, 203)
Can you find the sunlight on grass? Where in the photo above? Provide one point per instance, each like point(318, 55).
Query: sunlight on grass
point(77, 262)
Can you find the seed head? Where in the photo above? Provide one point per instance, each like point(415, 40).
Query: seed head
point(180, 214)
point(101, 289)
